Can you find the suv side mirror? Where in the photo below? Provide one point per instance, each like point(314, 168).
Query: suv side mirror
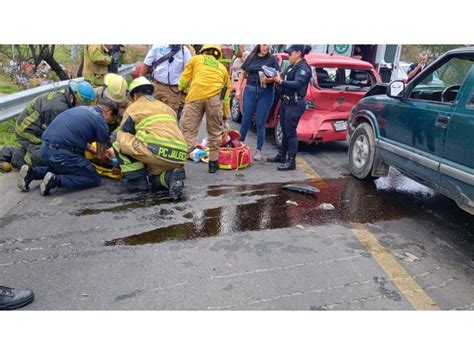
point(395, 89)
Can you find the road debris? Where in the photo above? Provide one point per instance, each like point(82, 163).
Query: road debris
point(305, 189)
point(326, 207)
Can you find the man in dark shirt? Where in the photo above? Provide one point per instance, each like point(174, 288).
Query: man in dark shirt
point(416, 68)
point(64, 143)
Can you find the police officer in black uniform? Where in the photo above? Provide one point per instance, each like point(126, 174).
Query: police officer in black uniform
point(293, 84)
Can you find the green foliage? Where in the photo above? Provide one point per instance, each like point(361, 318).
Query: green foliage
point(7, 133)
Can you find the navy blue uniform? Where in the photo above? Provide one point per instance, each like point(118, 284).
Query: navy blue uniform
point(296, 78)
point(64, 143)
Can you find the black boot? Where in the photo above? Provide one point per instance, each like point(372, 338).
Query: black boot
point(290, 163)
point(11, 298)
point(174, 179)
point(50, 182)
point(27, 175)
point(279, 158)
point(213, 166)
point(171, 180)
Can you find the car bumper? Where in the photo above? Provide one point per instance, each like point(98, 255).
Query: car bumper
point(322, 127)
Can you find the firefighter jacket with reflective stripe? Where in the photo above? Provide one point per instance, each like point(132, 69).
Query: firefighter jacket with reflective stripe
point(96, 63)
point(156, 126)
point(39, 114)
point(205, 77)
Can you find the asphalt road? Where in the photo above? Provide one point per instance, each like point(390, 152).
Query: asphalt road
point(238, 240)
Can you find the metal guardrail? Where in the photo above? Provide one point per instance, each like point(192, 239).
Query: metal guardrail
point(13, 104)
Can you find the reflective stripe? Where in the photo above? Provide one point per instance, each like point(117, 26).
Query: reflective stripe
point(183, 83)
point(28, 136)
point(28, 120)
point(225, 60)
point(153, 119)
point(163, 180)
point(148, 138)
point(127, 166)
point(226, 100)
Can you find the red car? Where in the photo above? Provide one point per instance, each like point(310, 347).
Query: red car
point(338, 83)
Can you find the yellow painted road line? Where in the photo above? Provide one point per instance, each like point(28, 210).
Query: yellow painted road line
point(303, 165)
point(412, 291)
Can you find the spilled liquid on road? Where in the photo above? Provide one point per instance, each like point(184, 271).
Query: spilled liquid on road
point(390, 198)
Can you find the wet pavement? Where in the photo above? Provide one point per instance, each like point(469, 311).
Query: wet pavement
point(237, 240)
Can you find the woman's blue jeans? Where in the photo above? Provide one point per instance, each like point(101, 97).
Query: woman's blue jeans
point(256, 100)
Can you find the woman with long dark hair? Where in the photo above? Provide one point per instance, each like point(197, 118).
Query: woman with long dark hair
point(258, 95)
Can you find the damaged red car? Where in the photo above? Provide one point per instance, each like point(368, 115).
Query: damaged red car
point(338, 83)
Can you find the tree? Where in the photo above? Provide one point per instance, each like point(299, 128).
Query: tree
point(46, 52)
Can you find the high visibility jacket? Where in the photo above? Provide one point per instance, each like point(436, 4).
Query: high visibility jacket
point(205, 77)
point(96, 63)
point(39, 114)
point(156, 126)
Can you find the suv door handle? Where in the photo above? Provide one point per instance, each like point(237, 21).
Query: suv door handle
point(442, 121)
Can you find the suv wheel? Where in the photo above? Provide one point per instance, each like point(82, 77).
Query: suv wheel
point(278, 132)
point(235, 108)
point(362, 152)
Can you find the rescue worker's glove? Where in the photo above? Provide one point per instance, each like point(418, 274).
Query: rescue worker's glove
point(129, 126)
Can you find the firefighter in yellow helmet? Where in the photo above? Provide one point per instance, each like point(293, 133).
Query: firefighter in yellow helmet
point(209, 87)
point(114, 88)
point(149, 145)
point(97, 59)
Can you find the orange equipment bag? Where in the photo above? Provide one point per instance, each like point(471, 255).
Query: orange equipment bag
point(233, 154)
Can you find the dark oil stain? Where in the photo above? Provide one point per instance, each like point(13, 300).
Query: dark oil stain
point(140, 201)
point(355, 201)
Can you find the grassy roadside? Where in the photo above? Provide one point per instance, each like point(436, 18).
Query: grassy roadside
point(7, 133)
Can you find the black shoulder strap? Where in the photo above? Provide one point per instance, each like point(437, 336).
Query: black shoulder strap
point(165, 57)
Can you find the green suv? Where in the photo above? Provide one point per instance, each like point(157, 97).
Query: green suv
point(424, 128)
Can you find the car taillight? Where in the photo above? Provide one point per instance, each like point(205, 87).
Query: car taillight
point(310, 105)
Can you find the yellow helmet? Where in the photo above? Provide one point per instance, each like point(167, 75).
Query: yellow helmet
point(216, 47)
point(115, 87)
point(140, 82)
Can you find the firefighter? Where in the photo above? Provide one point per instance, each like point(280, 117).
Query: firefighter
point(36, 117)
point(63, 147)
point(114, 88)
point(149, 145)
point(97, 59)
point(209, 88)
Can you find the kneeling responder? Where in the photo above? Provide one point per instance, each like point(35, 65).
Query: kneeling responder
point(63, 147)
point(209, 84)
point(114, 88)
point(150, 146)
point(36, 117)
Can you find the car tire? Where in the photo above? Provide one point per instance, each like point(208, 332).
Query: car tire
point(235, 113)
point(362, 152)
point(278, 133)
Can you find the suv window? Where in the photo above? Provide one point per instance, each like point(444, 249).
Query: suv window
point(343, 78)
point(449, 74)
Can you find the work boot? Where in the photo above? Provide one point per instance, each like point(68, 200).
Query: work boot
point(11, 298)
point(140, 183)
point(50, 181)
point(5, 167)
point(279, 158)
point(290, 164)
point(213, 166)
point(171, 180)
point(27, 175)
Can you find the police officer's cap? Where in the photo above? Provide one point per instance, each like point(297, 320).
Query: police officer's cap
point(304, 49)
